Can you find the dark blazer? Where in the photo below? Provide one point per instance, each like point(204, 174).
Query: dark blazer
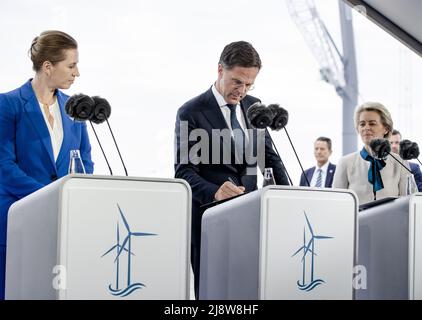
point(203, 112)
point(26, 154)
point(414, 167)
point(310, 172)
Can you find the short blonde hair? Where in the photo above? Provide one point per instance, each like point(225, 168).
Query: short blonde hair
point(385, 115)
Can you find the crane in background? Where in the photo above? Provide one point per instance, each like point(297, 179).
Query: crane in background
point(336, 69)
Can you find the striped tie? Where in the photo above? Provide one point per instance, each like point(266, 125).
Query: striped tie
point(319, 179)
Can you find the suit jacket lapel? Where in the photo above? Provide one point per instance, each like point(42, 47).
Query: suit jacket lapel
point(252, 134)
point(213, 114)
point(67, 126)
point(310, 174)
point(33, 110)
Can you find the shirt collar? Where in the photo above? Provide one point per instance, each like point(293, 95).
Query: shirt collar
point(220, 99)
point(324, 168)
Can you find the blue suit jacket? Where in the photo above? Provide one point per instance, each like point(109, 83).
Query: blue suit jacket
point(26, 154)
point(203, 112)
point(310, 172)
point(414, 167)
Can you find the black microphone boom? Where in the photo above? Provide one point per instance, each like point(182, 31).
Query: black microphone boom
point(260, 117)
point(281, 118)
point(381, 149)
point(102, 112)
point(81, 108)
point(409, 150)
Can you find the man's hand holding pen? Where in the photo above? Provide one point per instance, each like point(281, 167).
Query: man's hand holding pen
point(228, 189)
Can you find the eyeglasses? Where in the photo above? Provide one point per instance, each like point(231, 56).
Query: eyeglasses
point(237, 84)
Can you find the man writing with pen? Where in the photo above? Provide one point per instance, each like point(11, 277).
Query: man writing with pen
point(221, 107)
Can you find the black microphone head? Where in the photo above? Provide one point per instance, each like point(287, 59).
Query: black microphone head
point(259, 115)
point(281, 117)
point(381, 148)
point(80, 107)
point(102, 110)
point(409, 150)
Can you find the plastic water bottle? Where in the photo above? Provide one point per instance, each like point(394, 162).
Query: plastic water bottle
point(268, 177)
point(76, 165)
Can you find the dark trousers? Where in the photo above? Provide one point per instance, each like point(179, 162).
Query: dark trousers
point(195, 261)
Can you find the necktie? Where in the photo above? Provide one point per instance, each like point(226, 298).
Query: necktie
point(319, 179)
point(50, 117)
point(239, 134)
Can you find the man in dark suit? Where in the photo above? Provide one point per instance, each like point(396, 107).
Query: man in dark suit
point(218, 118)
point(395, 139)
point(322, 174)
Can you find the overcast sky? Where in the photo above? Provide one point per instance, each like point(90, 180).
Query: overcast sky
point(149, 57)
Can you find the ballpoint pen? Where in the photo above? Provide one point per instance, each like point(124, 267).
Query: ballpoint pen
point(232, 181)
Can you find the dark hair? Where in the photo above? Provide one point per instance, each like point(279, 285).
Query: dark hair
point(395, 132)
point(325, 139)
point(50, 46)
point(240, 54)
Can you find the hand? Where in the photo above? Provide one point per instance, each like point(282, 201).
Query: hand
point(228, 190)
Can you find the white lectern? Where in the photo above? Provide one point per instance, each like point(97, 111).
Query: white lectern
point(280, 243)
point(415, 247)
point(101, 237)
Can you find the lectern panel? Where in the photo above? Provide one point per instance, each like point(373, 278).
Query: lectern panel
point(307, 244)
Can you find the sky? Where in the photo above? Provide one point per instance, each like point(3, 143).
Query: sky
point(149, 57)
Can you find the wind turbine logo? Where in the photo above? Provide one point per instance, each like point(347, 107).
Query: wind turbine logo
point(119, 249)
point(309, 248)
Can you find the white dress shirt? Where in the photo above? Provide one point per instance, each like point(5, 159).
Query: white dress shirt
point(324, 169)
point(56, 133)
point(226, 112)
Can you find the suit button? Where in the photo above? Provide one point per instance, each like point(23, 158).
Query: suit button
point(53, 177)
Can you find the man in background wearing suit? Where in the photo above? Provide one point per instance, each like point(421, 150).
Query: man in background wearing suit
point(414, 167)
point(222, 107)
point(322, 174)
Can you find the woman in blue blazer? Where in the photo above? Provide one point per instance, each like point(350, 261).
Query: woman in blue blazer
point(36, 135)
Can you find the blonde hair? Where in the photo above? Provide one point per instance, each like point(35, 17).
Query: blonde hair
point(377, 107)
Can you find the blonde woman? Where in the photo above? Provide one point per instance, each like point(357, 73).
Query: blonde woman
point(355, 171)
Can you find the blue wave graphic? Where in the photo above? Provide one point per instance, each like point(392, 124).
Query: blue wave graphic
point(126, 291)
point(310, 286)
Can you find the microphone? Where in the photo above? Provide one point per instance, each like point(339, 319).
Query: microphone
point(381, 149)
point(409, 150)
point(81, 107)
point(281, 117)
point(280, 120)
point(102, 111)
point(260, 117)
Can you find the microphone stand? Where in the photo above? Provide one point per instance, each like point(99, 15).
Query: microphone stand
point(301, 167)
point(373, 178)
point(98, 140)
point(115, 143)
point(275, 148)
point(401, 163)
